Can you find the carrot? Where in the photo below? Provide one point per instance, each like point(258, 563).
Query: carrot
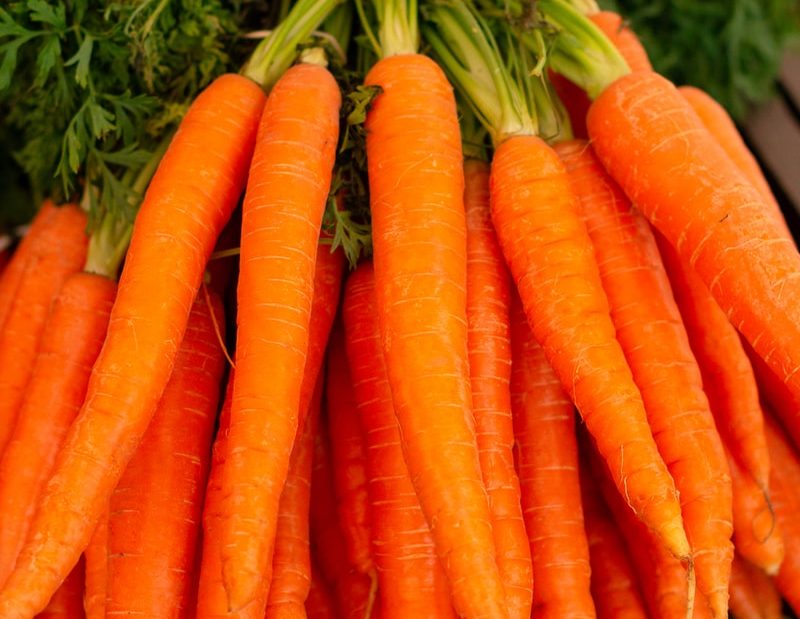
point(162, 273)
point(67, 602)
point(96, 565)
point(623, 38)
point(410, 578)
point(688, 188)
point(319, 604)
point(547, 458)
point(155, 511)
point(753, 593)
point(59, 251)
point(756, 534)
point(488, 301)
point(70, 342)
point(286, 193)
point(649, 328)
point(615, 586)
point(784, 481)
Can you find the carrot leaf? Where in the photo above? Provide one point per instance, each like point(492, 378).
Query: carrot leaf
point(397, 26)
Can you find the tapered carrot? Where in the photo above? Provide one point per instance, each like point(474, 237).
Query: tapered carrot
point(411, 581)
point(71, 340)
point(784, 481)
point(154, 513)
point(96, 566)
point(615, 586)
point(688, 188)
point(59, 252)
point(547, 458)
point(67, 602)
point(753, 593)
point(286, 193)
point(651, 332)
point(756, 534)
point(319, 604)
point(488, 301)
point(173, 236)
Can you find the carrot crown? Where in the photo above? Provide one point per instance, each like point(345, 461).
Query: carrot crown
point(398, 26)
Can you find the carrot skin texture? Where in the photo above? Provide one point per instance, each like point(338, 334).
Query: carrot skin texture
point(173, 236)
point(411, 581)
point(95, 558)
point(547, 458)
point(753, 593)
point(287, 189)
point(67, 602)
point(550, 255)
point(60, 251)
point(70, 342)
point(419, 244)
point(319, 603)
point(154, 514)
point(488, 302)
point(624, 39)
point(707, 210)
point(650, 329)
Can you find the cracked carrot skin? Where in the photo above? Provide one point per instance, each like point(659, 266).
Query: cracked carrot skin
point(550, 255)
point(58, 251)
point(689, 189)
point(649, 328)
point(155, 511)
point(547, 459)
point(488, 301)
point(173, 236)
point(411, 581)
point(416, 183)
point(67, 601)
point(753, 593)
point(71, 340)
point(286, 193)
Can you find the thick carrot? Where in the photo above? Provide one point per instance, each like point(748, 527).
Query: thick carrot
point(488, 301)
point(411, 582)
point(70, 342)
point(67, 601)
point(785, 480)
point(615, 585)
point(756, 534)
point(96, 564)
point(319, 604)
point(623, 38)
point(154, 513)
point(650, 140)
point(174, 233)
point(547, 458)
point(58, 252)
point(286, 194)
point(651, 332)
point(419, 244)
point(753, 593)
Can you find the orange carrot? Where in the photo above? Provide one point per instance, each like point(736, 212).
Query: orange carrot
point(624, 39)
point(689, 189)
point(753, 593)
point(67, 602)
point(319, 604)
point(170, 245)
point(154, 513)
point(650, 330)
point(547, 458)
point(70, 342)
point(96, 564)
point(784, 481)
point(488, 300)
point(58, 252)
point(410, 578)
point(756, 534)
point(286, 194)
point(615, 586)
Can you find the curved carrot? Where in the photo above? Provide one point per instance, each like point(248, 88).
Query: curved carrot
point(651, 332)
point(411, 581)
point(173, 236)
point(785, 480)
point(650, 140)
point(547, 458)
point(154, 513)
point(286, 194)
point(96, 565)
point(319, 604)
point(419, 244)
point(756, 533)
point(70, 342)
point(753, 593)
point(623, 38)
point(488, 300)
point(57, 252)
point(67, 601)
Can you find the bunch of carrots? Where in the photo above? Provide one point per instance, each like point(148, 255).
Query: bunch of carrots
point(491, 321)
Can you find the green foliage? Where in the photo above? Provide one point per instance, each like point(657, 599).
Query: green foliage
point(730, 48)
